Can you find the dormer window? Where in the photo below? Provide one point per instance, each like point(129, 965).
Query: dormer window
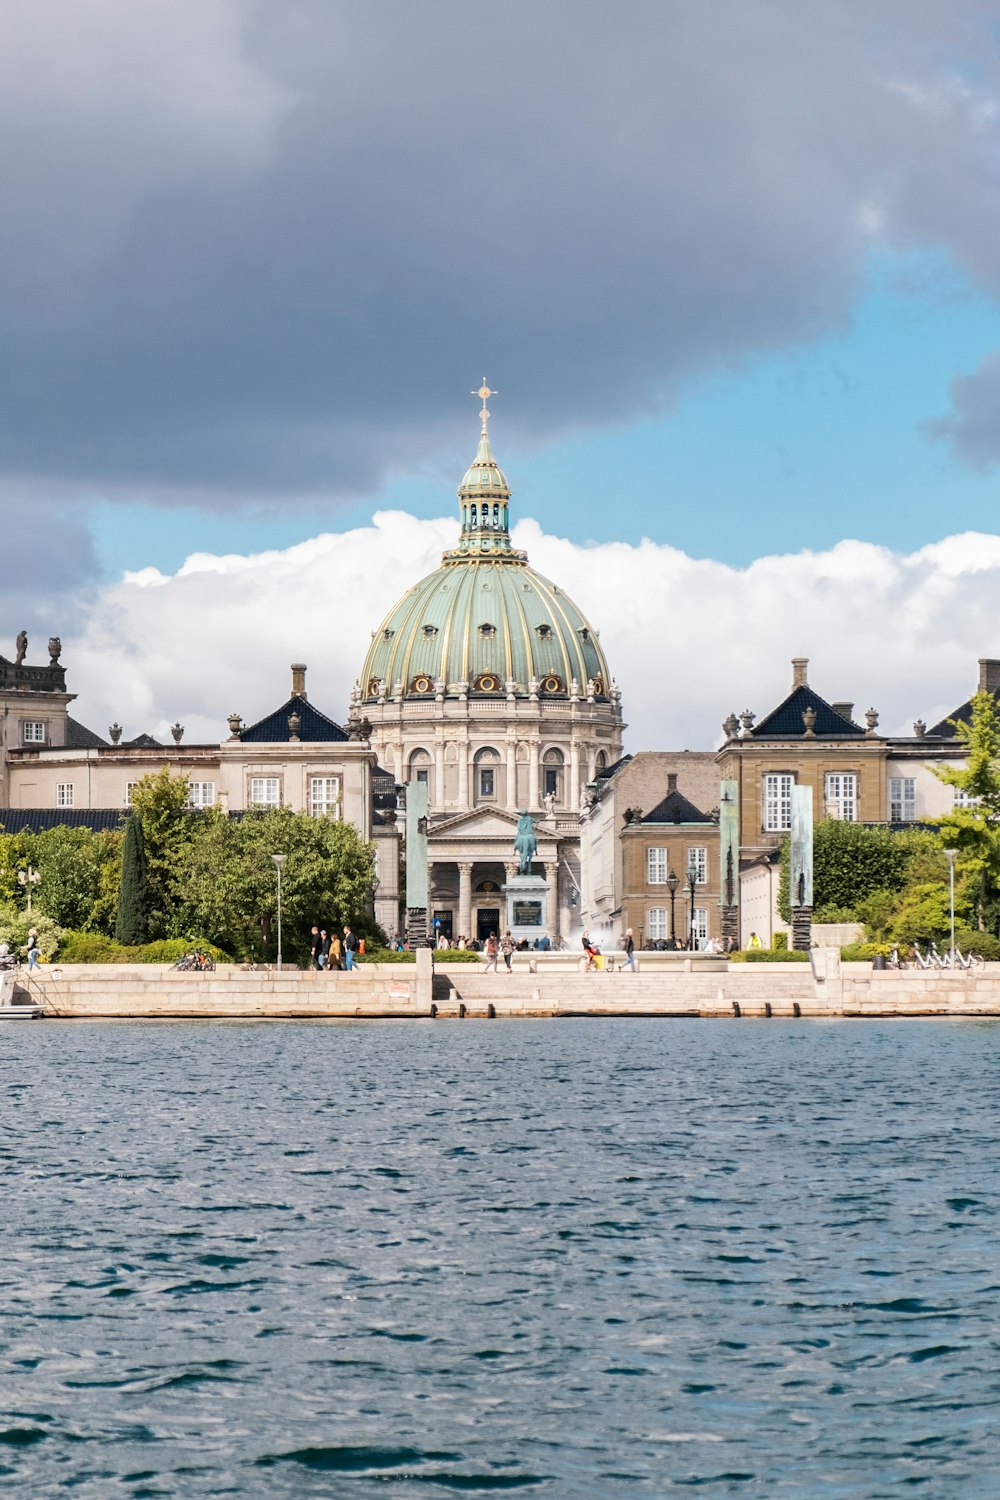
point(487, 632)
point(430, 631)
point(544, 632)
point(388, 634)
point(34, 732)
point(584, 633)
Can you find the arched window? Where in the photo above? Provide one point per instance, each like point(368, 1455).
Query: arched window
point(553, 775)
point(419, 769)
point(487, 775)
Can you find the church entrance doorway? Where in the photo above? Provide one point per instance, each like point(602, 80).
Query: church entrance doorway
point(487, 921)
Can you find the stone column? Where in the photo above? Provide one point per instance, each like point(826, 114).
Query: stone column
point(438, 798)
point(465, 899)
point(397, 762)
point(533, 777)
point(463, 773)
point(574, 776)
point(553, 915)
point(512, 775)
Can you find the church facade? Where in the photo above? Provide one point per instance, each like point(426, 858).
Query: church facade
point(486, 683)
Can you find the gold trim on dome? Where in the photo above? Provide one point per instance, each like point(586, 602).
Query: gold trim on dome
point(599, 685)
point(372, 690)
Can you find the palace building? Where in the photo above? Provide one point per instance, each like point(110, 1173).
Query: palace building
point(487, 683)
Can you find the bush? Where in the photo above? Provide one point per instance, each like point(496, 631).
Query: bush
point(985, 944)
point(779, 941)
point(831, 912)
point(94, 948)
point(769, 956)
point(853, 953)
point(14, 924)
point(409, 956)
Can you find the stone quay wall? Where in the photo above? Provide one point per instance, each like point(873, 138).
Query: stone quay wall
point(682, 987)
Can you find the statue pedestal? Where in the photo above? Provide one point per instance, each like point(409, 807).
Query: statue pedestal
point(527, 904)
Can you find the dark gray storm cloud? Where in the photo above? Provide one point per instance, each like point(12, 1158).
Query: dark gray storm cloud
point(259, 250)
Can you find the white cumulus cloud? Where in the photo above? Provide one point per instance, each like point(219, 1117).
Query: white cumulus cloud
point(688, 639)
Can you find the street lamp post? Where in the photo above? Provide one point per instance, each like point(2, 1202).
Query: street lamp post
point(692, 880)
point(27, 878)
point(952, 856)
point(672, 884)
point(279, 860)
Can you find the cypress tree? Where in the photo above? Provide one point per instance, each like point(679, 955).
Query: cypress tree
point(131, 924)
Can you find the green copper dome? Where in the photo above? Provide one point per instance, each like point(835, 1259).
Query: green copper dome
point(484, 623)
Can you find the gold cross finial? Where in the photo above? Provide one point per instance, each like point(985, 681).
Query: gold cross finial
point(484, 393)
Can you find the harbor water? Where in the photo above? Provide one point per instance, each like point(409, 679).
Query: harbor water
point(579, 1258)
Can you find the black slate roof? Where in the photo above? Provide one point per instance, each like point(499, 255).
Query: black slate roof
point(142, 742)
point(675, 808)
point(314, 727)
point(605, 773)
point(37, 819)
point(945, 730)
point(786, 722)
point(79, 737)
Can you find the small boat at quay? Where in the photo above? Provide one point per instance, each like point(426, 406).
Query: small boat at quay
point(9, 1011)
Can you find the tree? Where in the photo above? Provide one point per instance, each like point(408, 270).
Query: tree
point(230, 883)
point(850, 862)
point(131, 925)
point(161, 801)
point(974, 829)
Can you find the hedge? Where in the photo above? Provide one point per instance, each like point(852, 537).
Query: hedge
point(769, 956)
point(409, 956)
point(95, 948)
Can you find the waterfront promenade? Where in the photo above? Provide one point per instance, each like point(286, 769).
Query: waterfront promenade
point(684, 986)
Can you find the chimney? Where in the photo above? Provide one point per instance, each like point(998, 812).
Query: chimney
point(989, 675)
point(671, 782)
point(845, 710)
point(800, 671)
point(299, 680)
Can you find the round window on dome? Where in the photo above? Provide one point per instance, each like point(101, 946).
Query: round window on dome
point(421, 684)
point(486, 682)
point(553, 684)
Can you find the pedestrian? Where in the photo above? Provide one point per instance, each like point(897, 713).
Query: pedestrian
point(590, 950)
point(629, 951)
point(324, 948)
point(507, 949)
point(350, 949)
point(334, 961)
point(33, 954)
point(492, 953)
point(755, 941)
point(314, 947)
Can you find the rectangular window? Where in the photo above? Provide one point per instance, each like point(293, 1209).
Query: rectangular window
point(34, 732)
point(64, 794)
point(324, 796)
point(551, 781)
point(486, 782)
point(201, 794)
point(656, 924)
point(698, 857)
point(130, 787)
point(423, 776)
point(902, 799)
point(778, 801)
point(841, 796)
point(656, 866)
point(264, 791)
point(700, 925)
point(964, 798)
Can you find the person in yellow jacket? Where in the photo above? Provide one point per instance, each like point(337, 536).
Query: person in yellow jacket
point(755, 941)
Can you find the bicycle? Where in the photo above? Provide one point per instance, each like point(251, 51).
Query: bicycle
point(196, 962)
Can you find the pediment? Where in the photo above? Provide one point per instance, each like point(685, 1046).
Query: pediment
point(479, 823)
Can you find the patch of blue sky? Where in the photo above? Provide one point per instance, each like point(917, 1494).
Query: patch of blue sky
point(798, 449)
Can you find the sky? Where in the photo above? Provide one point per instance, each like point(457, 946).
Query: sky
point(732, 269)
